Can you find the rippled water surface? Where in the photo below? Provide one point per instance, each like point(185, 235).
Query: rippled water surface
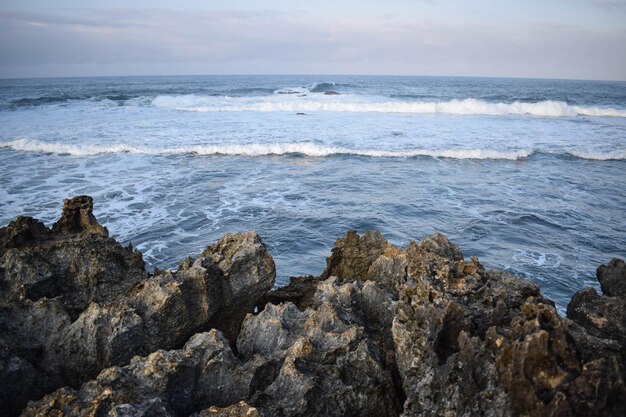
point(528, 175)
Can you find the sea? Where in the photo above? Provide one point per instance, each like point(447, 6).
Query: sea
point(529, 175)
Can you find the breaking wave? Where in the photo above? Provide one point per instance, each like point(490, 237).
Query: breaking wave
point(293, 148)
point(39, 101)
point(468, 106)
point(608, 156)
point(322, 87)
point(255, 149)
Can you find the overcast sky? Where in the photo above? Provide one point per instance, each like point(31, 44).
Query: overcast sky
point(581, 39)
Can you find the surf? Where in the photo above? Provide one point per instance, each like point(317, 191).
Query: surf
point(355, 104)
point(308, 149)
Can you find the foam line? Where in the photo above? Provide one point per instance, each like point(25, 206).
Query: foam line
point(301, 148)
point(468, 106)
point(608, 156)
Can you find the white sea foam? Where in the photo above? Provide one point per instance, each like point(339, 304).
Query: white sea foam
point(257, 149)
point(598, 156)
point(62, 148)
point(540, 259)
point(293, 90)
point(292, 103)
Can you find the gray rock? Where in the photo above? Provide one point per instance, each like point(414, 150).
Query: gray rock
point(73, 301)
point(75, 262)
point(612, 278)
point(328, 363)
point(383, 332)
point(166, 383)
point(603, 316)
point(246, 273)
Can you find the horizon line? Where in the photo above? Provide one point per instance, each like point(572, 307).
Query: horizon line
point(310, 75)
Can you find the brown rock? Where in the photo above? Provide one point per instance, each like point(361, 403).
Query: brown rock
point(241, 409)
point(352, 255)
point(78, 217)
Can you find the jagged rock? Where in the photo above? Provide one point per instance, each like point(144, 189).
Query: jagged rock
point(382, 332)
point(73, 301)
point(75, 262)
point(77, 217)
point(241, 409)
point(291, 362)
point(485, 343)
point(246, 273)
point(326, 364)
point(471, 342)
point(353, 255)
point(603, 316)
point(300, 291)
point(165, 383)
point(47, 277)
point(612, 278)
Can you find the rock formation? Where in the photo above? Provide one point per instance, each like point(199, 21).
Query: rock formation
point(604, 316)
point(73, 301)
point(382, 332)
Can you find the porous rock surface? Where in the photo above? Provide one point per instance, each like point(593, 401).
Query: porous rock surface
point(382, 332)
point(74, 301)
point(604, 316)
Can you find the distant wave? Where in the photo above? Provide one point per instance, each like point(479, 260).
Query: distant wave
point(292, 90)
point(609, 156)
point(468, 106)
point(322, 87)
point(39, 101)
point(245, 91)
point(301, 99)
point(296, 148)
point(63, 99)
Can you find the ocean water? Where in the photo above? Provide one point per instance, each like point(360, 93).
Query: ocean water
point(528, 175)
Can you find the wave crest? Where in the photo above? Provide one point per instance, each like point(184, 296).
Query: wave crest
point(40, 101)
point(293, 148)
point(468, 106)
point(597, 156)
point(322, 87)
point(257, 149)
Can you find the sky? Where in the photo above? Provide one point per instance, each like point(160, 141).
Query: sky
point(572, 39)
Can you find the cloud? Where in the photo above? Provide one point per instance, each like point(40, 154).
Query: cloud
point(123, 41)
point(610, 5)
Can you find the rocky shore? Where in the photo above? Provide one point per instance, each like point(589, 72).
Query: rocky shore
point(384, 331)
